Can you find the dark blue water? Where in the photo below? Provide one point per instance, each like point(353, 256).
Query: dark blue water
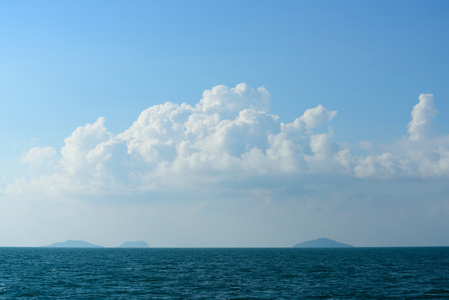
point(224, 273)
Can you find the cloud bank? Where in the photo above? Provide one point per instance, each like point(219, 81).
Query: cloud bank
point(227, 140)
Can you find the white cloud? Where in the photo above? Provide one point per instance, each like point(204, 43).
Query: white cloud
point(38, 155)
point(317, 116)
point(229, 136)
point(194, 175)
point(229, 102)
point(419, 156)
point(422, 115)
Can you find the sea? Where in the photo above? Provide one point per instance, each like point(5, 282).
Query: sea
point(224, 273)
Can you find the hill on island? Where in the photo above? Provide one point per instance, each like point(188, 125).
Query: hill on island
point(137, 244)
point(322, 243)
point(73, 244)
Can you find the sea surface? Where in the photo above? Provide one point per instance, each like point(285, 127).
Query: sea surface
point(241, 273)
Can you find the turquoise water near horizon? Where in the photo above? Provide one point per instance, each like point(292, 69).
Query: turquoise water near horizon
point(224, 273)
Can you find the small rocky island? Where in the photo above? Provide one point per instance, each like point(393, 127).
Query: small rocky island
point(137, 244)
point(73, 244)
point(322, 243)
point(83, 244)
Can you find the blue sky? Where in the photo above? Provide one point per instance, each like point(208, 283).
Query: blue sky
point(320, 140)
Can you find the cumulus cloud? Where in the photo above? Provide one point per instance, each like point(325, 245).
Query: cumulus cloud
point(229, 138)
point(317, 116)
point(37, 156)
point(422, 115)
point(418, 156)
point(229, 102)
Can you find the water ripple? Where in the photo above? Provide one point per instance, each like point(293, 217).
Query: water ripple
point(224, 273)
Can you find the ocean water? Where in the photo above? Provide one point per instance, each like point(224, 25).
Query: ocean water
point(44, 273)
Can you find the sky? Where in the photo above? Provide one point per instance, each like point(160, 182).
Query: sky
point(224, 123)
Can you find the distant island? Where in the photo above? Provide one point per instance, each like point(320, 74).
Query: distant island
point(83, 244)
point(73, 244)
point(137, 244)
point(322, 243)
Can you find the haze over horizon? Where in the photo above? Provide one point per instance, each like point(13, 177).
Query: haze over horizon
point(197, 124)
